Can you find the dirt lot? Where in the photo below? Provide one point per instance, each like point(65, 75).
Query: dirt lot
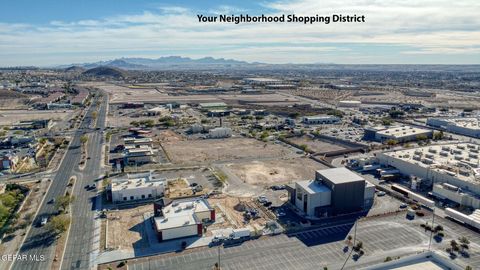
point(168, 136)
point(125, 228)
point(233, 208)
point(276, 171)
point(13, 116)
point(315, 145)
point(221, 149)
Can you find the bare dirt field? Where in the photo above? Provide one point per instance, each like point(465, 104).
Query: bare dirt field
point(126, 228)
point(168, 136)
point(316, 145)
point(233, 209)
point(221, 149)
point(9, 117)
point(276, 171)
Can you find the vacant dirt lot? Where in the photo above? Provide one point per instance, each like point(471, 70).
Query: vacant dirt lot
point(126, 228)
point(233, 209)
point(9, 117)
point(221, 149)
point(276, 171)
point(315, 145)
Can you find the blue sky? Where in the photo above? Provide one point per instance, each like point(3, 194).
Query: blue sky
point(51, 32)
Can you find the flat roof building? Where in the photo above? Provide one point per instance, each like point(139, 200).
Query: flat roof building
point(320, 119)
point(333, 192)
point(136, 187)
point(460, 125)
point(399, 133)
point(181, 218)
point(456, 164)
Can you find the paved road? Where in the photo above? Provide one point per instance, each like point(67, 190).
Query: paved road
point(38, 241)
point(84, 238)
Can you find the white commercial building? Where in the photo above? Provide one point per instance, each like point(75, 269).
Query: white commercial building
point(262, 81)
point(182, 218)
point(136, 187)
point(399, 133)
point(219, 132)
point(456, 164)
point(320, 119)
point(311, 193)
point(464, 126)
point(138, 141)
point(349, 103)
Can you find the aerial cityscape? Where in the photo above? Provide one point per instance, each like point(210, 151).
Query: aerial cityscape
point(127, 144)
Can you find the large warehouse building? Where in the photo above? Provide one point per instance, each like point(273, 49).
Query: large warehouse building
point(399, 133)
point(333, 192)
point(464, 126)
point(456, 164)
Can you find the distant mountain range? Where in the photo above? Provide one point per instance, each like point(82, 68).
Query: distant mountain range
point(170, 62)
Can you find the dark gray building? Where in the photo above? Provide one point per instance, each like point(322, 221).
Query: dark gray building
point(348, 189)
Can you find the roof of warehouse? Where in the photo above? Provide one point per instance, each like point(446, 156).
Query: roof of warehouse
point(340, 175)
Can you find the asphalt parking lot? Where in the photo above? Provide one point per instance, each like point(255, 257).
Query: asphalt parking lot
point(390, 235)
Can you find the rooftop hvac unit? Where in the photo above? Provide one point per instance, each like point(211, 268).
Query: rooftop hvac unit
point(444, 153)
point(471, 146)
point(418, 152)
point(175, 204)
point(178, 209)
point(457, 157)
point(472, 155)
point(445, 148)
point(186, 222)
point(474, 150)
point(427, 161)
point(464, 172)
point(417, 157)
point(461, 147)
point(429, 156)
point(456, 151)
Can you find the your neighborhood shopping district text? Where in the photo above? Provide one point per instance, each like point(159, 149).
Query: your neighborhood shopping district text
point(290, 18)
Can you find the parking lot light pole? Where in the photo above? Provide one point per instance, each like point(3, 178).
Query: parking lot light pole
point(218, 249)
point(431, 231)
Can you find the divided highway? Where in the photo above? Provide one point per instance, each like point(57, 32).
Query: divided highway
point(39, 242)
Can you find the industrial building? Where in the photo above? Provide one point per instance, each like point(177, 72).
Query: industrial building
point(181, 218)
point(320, 120)
point(219, 132)
point(464, 126)
point(349, 103)
point(213, 106)
point(456, 164)
point(262, 81)
point(400, 133)
point(333, 192)
point(138, 187)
